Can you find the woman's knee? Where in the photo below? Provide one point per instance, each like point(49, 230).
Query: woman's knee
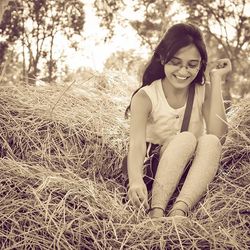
point(186, 139)
point(209, 142)
point(186, 136)
point(209, 139)
point(182, 141)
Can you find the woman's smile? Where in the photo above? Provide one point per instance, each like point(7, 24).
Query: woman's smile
point(180, 77)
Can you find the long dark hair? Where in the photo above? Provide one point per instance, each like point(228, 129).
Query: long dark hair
point(178, 36)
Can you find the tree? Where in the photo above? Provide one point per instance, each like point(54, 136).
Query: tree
point(126, 61)
point(10, 27)
point(40, 21)
point(158, 16)
point(107, 10)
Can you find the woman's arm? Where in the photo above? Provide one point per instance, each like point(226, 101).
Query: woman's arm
point(213, 107)
point(140, 108)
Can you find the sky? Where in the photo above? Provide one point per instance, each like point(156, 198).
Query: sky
point(93, 50)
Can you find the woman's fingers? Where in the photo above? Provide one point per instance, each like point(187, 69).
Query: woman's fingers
point(219, 67)
point(138, 196)
point(134, 198)
point(219, 64)
point(224, 63)
point(143, 197)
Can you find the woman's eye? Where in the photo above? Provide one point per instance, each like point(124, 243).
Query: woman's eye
point(175, 61)
point(178, 62)
point(192, 65)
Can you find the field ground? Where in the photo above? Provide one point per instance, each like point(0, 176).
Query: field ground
point(61, 149)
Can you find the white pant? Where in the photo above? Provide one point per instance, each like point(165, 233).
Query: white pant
point(174, 158)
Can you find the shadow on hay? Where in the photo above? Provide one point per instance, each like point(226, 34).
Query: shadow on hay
point(31, 137)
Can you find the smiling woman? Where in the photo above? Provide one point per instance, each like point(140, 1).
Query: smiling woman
point(162, 150)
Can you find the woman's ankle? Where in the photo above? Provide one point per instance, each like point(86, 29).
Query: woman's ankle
point(176, 212)
point(180, 208)
point(156, 212)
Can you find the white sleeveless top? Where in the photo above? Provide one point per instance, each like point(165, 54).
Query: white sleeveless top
point(164, 122)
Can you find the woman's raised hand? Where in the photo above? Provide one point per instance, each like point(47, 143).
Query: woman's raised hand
point(219, 68)
point(138, 194)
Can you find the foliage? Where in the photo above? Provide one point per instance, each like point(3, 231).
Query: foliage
point(36, 23)
point(107, 11)
point(10, 27)
point(157, 18)
point(125, 61)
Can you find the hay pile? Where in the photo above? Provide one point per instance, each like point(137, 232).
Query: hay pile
point(61, 152)
point(63, 127)
point(47, 210)
point(236, 152)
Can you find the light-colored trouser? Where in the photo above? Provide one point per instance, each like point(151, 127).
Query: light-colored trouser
point(206, 151)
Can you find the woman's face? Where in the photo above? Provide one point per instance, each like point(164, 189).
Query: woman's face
point(182, 69)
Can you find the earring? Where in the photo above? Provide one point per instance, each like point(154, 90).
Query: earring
point(162, 60)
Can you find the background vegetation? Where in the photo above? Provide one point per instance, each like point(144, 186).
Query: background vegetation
point(30, 28)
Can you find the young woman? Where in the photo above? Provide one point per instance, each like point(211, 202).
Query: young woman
point(157, 109)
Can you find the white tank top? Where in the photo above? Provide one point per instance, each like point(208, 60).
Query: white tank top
point(164, 122)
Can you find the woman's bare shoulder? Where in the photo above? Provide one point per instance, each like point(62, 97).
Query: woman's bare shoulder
point(141, 102)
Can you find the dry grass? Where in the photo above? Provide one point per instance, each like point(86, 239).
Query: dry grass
point(236, 152)
point(61, 151)
point(62, 127)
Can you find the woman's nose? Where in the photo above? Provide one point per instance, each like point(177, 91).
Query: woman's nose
point(183, 69)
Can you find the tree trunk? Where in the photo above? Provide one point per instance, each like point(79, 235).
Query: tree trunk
point(51, 59)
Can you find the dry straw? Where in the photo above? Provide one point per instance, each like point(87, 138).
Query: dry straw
point(61, 149)
point(63, 127)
